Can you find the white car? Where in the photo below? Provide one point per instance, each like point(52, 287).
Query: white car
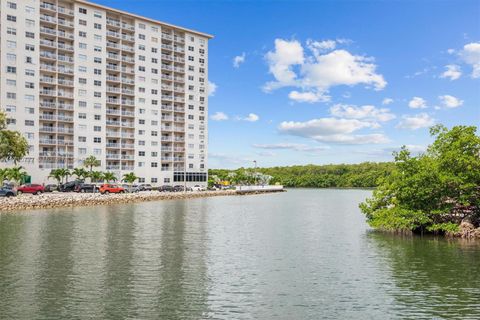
point(198, 188)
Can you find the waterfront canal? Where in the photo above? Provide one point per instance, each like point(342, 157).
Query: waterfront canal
point(303, 254)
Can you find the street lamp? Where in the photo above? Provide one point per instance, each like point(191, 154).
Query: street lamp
point(255, 172)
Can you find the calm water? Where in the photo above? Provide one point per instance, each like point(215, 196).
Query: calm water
point(304, 254)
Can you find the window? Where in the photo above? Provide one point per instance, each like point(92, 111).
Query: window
point(141, 153)
point(142, 26)
point(11, 95)
point(141, 58)
point(29, 123)
point(82, 45)
point(29, 23)
point(12, 31)
point(11, 82)
point(82, 69)
point(141, 36)
point(12, 5)
point(97, 14)
point(11, 44)
point(97, 83)
point(82, 34)
point(97, 128)
point(190, 48)
point(82, 139)
point(29, 85)
point(30, 35)
point(97, 26)
point(82, 116)
point(82, 151)
point(30, 110)
point(82, 22)
point(11, 69)
point(153, 180)
point(11, 121)
point(82, 10)
point(97, 140)
point(97, 94)
point(97, 71)
point(82, 104)
point(10, 108)
point(29, 72)
point(154, 164)
point(98, 48)
point(11, 18)
point(97, 117)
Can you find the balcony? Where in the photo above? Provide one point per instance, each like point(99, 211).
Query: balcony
point(128, 102)
point(50, 80)
point(65, 46)
point(48, 141)
point(65, 94)
point(113, 34)
point(48, 31)
point(128, 91)
point(113, 145)
point(112, 167)
point(113, 67)
point(127, 168)
point(66, 35)
point(128, 146)
point(128, 26)
point(48, 43)
point(128, 48)
point(113, 134)
point(48, 92)
point(128, 81)
point(48, 6)
point(65, 23)
point(128, 135)
point(165, 118)
point(179, 49)
point(113, 101)
point(113, 45)
point(48, 105)
point(65, 70)
point(167, 36)
point(179, 109)
point(167, 138)
point(65, 58)
point(128, 38)
point(179, 119)
point(128, 70)
point(128, 59)
point(128, 125)
point(113, 111)
point(128, 157)
point(65, 11)
point(112, 156)
point(166, 97)
point(167, 67)
point(65, 82)
point(166, 107)
point(113, 22)
point(128, 113)
point(113, 89)
point(112, 78)
point(167, 149)
point(179, 99)
point(113, 123)
point(47, 116)
point(167, 159)
point(65, 106)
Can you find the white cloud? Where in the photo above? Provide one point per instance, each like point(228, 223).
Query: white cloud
point(453, 72)
point(417, 103)
point(238, 60)
point(449, 101)
point(332, 130)
point(307, 96)
point(470, 54)
point(414, 122)
point(367, 112)
point(252, 117)
point(387, 101)
point(320, 70)
point(219, 116)
point(290, 146)
point(212, 88)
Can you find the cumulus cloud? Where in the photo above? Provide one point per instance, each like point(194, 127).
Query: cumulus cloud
point(238, 60)
point(414, 122)
point(252, 117)
point(309, 97)
point(387, 101)
point(452, 72)
point(332, 130)
point(219, 116)
point(449, 101)
point(367, 112)
point(318, 68)
point(290, 146)
point(470, 54)
point(417, 103)
point(212, 88)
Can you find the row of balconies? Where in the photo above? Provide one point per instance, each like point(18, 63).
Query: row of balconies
point(123, 145)
point(116, 56)
point(59, 93)
point(56, 129)
point(56, 154)
point(59, 69)
point(115, 167)
point(172, 78)
point(53, 44)
point(118, 134)
point(118, 35)
point(60, 21)
point(124, 80)
point(127, 102)
point(53, 8)
point(53, 105)
point(172, 48)
point(173, 98)
point(60, 33)
point(60, 57)
point(118, 24)
point(61, 142)
point(122, 47)
point(173, 68)
point(123, 112)
point(52, 117)
point(117, 156)
point(173, 58)
point(55, 165)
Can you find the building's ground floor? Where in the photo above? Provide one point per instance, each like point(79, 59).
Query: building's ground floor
point(153, 176)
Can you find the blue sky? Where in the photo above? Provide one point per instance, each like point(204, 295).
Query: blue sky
point(330, 81)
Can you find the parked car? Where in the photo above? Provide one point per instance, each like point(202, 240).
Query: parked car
point(70, 186)
point(51, 188)
point(180, 188)
point(7, 191)
point(86, 187)
point(111, 188)
point(166, 188)
point(198, 188)
point(130, 188)
point(31, 188)
point(145, 187)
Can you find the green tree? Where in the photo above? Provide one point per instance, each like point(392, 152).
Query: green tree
point(60, 174)
point(109, 176)
point(129, 177)
point(432, 192)
point(95, 176)
point(91, 162)
point(80, 173)
point(3, 174)
point(17, 174)
point(13, 145)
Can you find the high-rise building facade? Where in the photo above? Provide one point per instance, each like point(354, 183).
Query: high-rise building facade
point(80, 79)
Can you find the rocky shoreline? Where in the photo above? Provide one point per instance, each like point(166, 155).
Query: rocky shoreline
point(65, 200)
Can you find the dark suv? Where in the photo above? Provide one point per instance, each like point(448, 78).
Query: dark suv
point(86, 187)
point(70, 186)
point(166, 188)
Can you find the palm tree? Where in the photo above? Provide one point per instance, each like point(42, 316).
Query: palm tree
point(129, 177)
point(3, 174)
point(91, 162)
point(95, 176)
point(109, 176)
point(17, 174)
point(56, 174)
point(80, 173)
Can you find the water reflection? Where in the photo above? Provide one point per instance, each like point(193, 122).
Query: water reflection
point(432, 277)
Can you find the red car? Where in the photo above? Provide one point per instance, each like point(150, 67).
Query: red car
point(111, 188)
point(31, 188)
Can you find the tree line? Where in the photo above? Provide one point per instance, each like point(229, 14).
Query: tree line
point(362, 175)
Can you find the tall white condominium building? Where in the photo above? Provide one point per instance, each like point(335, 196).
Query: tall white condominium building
point(81, 79)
